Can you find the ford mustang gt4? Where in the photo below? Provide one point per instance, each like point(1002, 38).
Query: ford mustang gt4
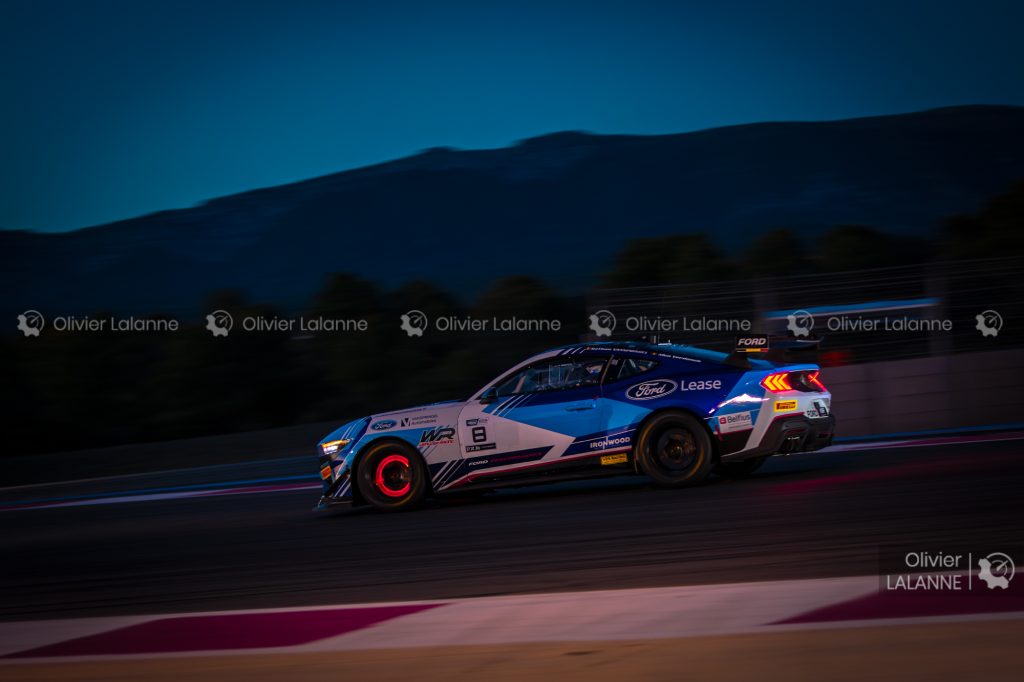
point(675, 413)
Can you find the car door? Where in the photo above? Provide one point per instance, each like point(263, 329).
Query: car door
point(535, 416)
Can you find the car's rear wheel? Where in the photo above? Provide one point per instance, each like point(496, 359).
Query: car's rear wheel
point(392, 476)
point(740, 469)
point(674, 449)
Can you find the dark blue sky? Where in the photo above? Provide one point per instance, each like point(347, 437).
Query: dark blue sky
point(114, 109)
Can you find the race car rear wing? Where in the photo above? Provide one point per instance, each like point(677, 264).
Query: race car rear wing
point(779, 350)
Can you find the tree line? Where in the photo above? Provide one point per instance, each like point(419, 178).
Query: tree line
point(67, 391)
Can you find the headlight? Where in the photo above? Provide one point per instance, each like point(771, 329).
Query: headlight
point(332, 446)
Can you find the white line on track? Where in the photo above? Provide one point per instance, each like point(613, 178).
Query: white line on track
point(935, 441)
point(633, 614)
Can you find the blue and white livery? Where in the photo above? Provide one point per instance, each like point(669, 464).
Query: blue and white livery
point(675, 413)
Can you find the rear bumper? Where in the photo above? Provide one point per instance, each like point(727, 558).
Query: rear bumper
point(789, 435)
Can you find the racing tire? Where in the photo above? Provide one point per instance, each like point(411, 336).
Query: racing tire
point(392, 476)
point(675, 450)
point(740, 469)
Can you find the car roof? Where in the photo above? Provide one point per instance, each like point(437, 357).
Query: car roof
point(654, 349)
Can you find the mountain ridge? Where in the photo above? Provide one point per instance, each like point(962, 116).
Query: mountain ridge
point(571, 199)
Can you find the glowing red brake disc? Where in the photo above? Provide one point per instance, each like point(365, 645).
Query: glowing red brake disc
point(394, 477)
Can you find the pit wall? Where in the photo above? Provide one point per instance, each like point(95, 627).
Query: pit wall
point(952, 391)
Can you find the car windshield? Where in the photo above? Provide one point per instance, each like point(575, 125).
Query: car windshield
point(552, 376)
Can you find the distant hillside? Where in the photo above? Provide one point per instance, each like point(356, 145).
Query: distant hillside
point(558, 206)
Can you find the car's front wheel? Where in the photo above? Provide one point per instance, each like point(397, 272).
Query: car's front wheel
point(392, 476)
point(674, 449)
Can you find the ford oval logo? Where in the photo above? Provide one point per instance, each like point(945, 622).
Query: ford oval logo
point(649, 390)
point(384, 425)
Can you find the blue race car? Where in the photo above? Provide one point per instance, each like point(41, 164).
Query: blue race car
point(675, 413)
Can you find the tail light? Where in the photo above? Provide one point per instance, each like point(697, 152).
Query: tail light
point(813, 380)
point(777, 382)
point(804, 380)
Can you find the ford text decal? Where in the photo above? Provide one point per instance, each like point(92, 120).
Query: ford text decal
point(649, 390)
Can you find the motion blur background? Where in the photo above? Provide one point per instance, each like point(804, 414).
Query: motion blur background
point(738, 162)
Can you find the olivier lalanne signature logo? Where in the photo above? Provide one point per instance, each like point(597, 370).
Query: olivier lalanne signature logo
point(649, 390)
point(942, 571)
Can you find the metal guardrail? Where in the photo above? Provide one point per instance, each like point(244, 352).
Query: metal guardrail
point(864, 315)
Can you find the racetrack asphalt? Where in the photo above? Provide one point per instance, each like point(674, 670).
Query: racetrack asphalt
point(806, 516)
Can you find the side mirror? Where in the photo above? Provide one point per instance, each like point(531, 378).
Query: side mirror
point(489, 396)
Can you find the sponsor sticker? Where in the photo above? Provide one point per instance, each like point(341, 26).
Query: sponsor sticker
point(701, 385)
point(620, 458)
point(609, 442)
point(650, 390)
point(785, 406)
point(816, 410)
point(753, 343)
point(383, 425)
point(419, 420)
point(481, 446)
point(741, 421)
point(476, 421)
point(438, 436)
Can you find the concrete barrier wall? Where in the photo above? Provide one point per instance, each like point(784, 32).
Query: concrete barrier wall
point(970, 389)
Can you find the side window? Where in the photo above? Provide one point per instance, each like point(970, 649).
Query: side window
point(624, 368)
point(554, 375)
